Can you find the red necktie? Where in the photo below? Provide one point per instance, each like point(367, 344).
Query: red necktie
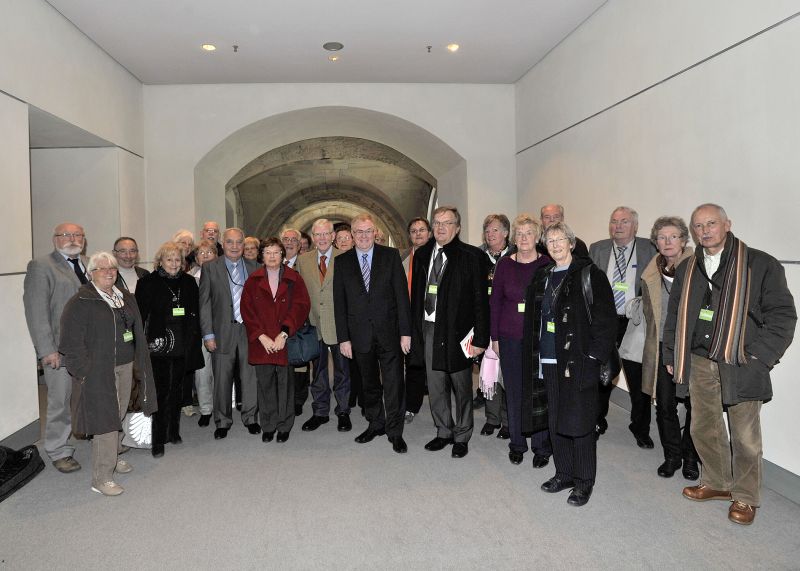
point(410, 271)
point(323, 268)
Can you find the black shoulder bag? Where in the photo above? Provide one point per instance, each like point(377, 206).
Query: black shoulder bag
point(610, 369)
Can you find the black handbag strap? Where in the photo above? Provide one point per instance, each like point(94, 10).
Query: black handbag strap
point(586, 283)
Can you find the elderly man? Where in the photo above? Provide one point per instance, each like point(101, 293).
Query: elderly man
point(731, 317)
point(624, 257)
point(126, 251)
point(224, 334)
point(50, 282)
point(550, 214)
point(449, 302)
point(290, 238)
point(373, 326)
point(317, 268)
point(211, 232)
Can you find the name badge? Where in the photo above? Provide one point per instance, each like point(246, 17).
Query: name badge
point(620, 286)
point(551, 326)
point(432, 289)
point(521, 307)
point(127, 336)
point(707, 314)
point(490, 290)
point(178, 311)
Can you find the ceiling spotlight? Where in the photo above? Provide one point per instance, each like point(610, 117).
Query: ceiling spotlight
point(453, 47)
point(209, 47)
point(333, 46)
point(333, 58)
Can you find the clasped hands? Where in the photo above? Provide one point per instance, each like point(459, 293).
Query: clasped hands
point(272, 345)
point(346, 347)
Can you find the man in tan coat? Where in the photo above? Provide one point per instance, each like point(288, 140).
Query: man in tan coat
point(316, 267)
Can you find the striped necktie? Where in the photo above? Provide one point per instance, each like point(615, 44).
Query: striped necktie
point(365, 270)
point(237, 292)
point(619, 277)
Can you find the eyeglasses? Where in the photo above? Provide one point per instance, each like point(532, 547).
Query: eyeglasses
point(670, 238)
point(290, 240)
point(205, 252)
point(554, 241)
point(321, 234)
point(70, 235)
point(438, 223)
point(419, 231)
point(126, 252)
point(111, 269)
point(273, 253)
point(364, 232)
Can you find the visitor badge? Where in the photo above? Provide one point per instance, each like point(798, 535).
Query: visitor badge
point(490, 290)
point(551, 326)
point(433, 288)
point(706, 314)
point(521, 307)
point(178, 311)
point(620, 286)
point(127, 336)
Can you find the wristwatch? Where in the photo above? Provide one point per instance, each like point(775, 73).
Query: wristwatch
point(284, 334)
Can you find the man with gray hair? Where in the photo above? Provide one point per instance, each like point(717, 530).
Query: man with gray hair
point(50, 282)
point(290, 238)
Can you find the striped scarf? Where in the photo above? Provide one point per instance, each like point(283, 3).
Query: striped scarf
point(727, 341)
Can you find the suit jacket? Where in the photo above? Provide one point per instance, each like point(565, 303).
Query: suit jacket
point(600, 253)
point(322, 315)
point(382, 313)
point(216, 304)
point(50, 282)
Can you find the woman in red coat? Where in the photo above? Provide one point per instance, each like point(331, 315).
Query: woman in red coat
point(274, 305)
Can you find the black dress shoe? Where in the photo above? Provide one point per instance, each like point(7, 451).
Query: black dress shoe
point(479, 399)
point(460, 449)
point(691, 471)
point(158, 450)
point(488, 429)
point(669, 467)
point(205, 420)
point(268, 436)
point(314, 422)
point(579, 496)
point(369, 435)
point(398, 444)
point(254, 428)
point(602, 426)
point(220, 433)
point(282, 437)
point(556, 484)
point(644, 442)
point(298, 409)
point(540, 461)
point(344, 424)
point(515, 457)
point(503, 433)
point(438, 443)
point(176, 439)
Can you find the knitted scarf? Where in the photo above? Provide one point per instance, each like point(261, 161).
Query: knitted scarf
point(727, 341)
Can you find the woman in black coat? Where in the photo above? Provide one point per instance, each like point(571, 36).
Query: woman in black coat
point(169, 301)
point(564, 347)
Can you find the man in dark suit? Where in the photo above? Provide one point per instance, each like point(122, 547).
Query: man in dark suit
point(449, 300)
point(373, 326)
point(624, 270)
point(126, 250)
point(224, 334)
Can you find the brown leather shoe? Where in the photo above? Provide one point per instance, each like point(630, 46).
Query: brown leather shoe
point(66, 465)
point(742, 513)
point(703, 493)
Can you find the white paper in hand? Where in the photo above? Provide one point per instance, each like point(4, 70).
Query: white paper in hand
point(466, 344)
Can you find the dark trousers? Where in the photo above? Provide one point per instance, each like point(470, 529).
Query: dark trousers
point(676, 446)
point(168, 373)
point(320, 386)
point(511, 364)
point(575, 457)
point(300, 385)
point(356, 386)
point(275, 398)
point(416, 382)
point(383, 402)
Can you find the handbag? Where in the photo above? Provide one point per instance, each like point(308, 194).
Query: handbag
point(611, 368)
point(303, 346)
point(632, 345)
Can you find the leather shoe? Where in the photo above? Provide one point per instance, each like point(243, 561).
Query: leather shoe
point(314, 422)
point(344, 424)
point(66, 465)
point(669, 467)
point(602, 426)
point(515, 457)
point(644, 441)
point(205, 420)
point(220, 433)
point(703, 493)
point(398, 444)
point(176, 439)
point(282, 437)
point(268, 436)
point(556, 484)
point(579, 496)
point(158, 450)
point(254, 428)
point(540, 461)
point(369, 435)
point(479, 400)
point(488, 429)
point(741, 513)
point(460, 449)
point(503, 433)
point(691, 471)
point(438, 443)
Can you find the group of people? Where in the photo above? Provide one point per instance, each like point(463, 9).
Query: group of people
point(543, 317)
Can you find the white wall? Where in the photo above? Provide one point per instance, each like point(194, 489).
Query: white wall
point(725, 131)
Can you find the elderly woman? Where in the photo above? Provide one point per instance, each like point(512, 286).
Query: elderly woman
point(185, 239)
point(204, 377)
point(169, 302)
point(511, 278)
point(251, 245)
point(670, 235)
point(275, 304)
point(568, 335)
point(102, 340)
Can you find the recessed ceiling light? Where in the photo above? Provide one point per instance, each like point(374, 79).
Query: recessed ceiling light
point(333, 58)
point(453, 47)
point(333, 46)
point(209, 47)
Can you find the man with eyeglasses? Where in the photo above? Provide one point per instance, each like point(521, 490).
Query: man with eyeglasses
point(449, 301)
point(290, 238)
point(126, 251)
point(316, 267)
point(210, 232)
point(50, 282)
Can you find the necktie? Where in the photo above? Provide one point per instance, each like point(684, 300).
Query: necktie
point(433, 280)
point(78, 271)
point(237, 292)
point(323, 268)
point(619, 276)
point(410, 271)
point(365, 271)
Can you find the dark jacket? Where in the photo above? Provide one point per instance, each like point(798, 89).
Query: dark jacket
point(88, 343)
point(576, 343)
point(120, 283)
point(771, 319)
point(462, 304)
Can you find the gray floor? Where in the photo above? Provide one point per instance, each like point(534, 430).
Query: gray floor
point(320, 500)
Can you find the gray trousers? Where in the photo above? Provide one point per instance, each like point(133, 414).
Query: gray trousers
point(440, 387)
point(204, 384)
point(496, 408)
point(223, 381)
point(59, 417)
point(105, 447)
point(275, 398)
